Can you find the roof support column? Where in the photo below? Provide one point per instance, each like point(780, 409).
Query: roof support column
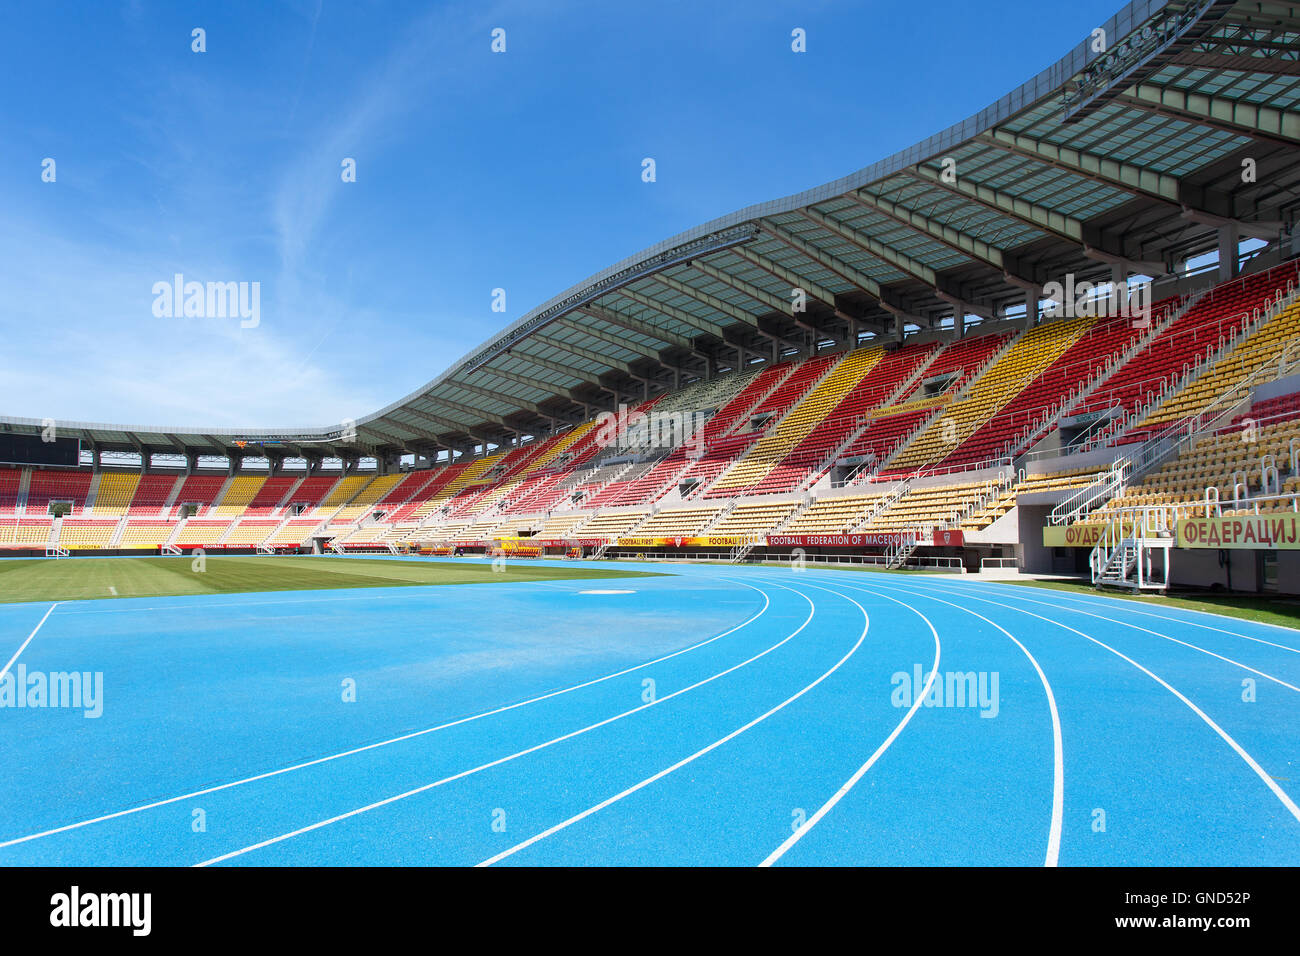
point(1229, 236)
point(1118, 289)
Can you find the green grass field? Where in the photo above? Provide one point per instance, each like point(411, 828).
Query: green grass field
point(23, 580)
point(1283, 611)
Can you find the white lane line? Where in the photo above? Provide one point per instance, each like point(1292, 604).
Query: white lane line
point(5, 670)
point(699, 753)
point(767, 602)
point(812, 610)
point(1278, 792)
point(1058, 759)
point(849, 784)
point(1138, 627)
point(1116, 604)
point(206, 602)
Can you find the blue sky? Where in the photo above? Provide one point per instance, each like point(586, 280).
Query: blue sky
point(475, 171)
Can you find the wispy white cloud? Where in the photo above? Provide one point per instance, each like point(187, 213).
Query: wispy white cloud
point(92, 349)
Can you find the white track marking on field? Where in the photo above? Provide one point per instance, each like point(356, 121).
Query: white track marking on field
point(206, 602)
point(699, 753)
point(514, 756)
point(5, 670)
point(1147, 630)
point(1118, 604)
point(767, 602)
point(1278, 792)
point(113, 590)
point(849, 784)
point(1058, 757)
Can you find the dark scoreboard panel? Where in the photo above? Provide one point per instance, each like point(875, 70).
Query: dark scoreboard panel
point(31, 450)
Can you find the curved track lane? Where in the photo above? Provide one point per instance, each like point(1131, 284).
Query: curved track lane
point(739, 716)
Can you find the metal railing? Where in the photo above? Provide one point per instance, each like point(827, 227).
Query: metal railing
point(922, 563)
point(998, 563)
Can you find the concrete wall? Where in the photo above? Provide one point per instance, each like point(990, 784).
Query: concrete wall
point(1285, 385)
point(1032, 556)
point(1199, 567)
point(1100, 458)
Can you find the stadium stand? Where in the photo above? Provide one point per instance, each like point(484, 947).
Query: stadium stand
point(368, 499)
point(266, 503)
point(249, 532)
point(200, 491)
point(754, 518)
point(610, 524)
point(677, 466)
point(47, 486)
point(925, 507)
point(1230, 462)
point(923, 388)
point(811, 456)
point(83, 535)
point(239, 493)
point(312, 491)
point(765, 433)
point(292, 533)
point(752, 474)
point(146, 534)
point(25, 533)
point(151, 495)
point(836, 515)
point(114, 493)
point(197, 533)
point(1070, 480)
point(679, 521)
point(1241, 360)
point(1023, 361)
point(1189, 336)
point(559, 526)
point(775, 442)
point(344, 491)
point(1025, 416)
point(10, 483)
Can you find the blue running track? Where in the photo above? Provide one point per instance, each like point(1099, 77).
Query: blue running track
point(717, 715)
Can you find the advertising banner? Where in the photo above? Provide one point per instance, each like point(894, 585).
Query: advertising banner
point(1075, 536)
point(832, 540)
point(708, 541)
point(1258, 532)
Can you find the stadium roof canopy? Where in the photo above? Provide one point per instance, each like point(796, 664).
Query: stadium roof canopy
point(1134, 150)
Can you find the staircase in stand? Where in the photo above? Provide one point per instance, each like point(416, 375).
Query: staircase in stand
point(897, 555)
point(1133, 551)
